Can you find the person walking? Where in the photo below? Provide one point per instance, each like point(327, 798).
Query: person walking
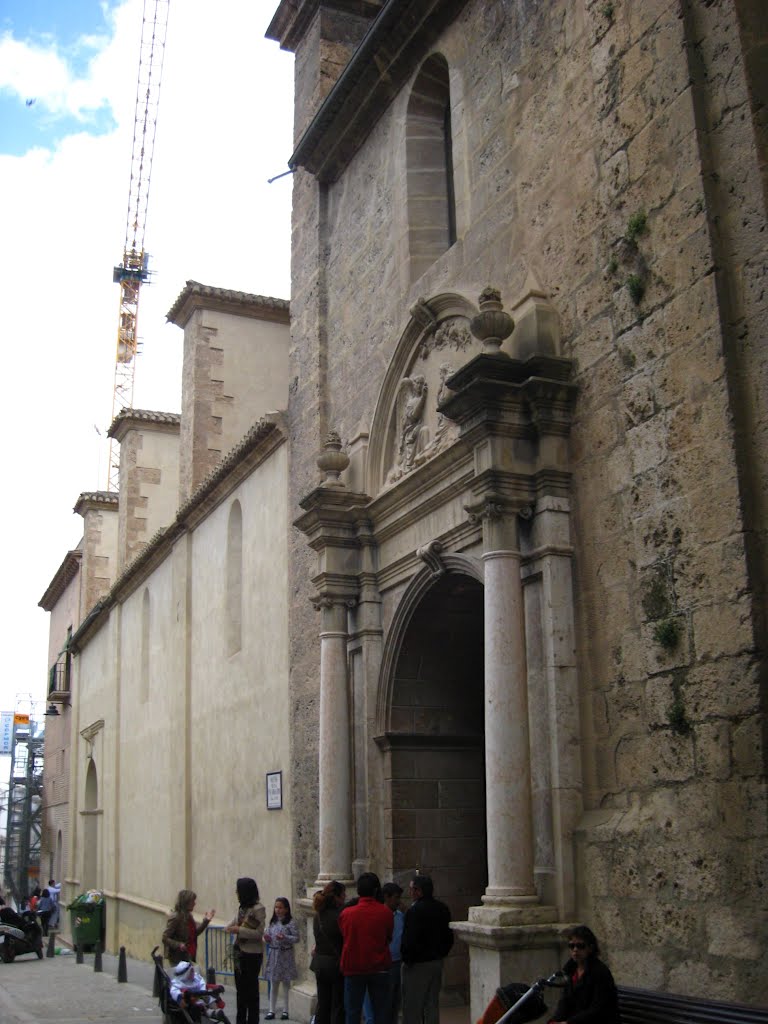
point(328, 903)
point(427, 940)
point(181, 929)
point(54, 891)
point(45, 909)
point(366, 928)
point(280, 937)
point(248, 928)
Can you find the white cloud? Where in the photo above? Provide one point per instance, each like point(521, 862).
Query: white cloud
point(225, 126)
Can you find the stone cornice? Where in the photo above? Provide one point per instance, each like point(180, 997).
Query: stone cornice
point(293, 17)
point(61, 580)
point(142, 419)
point(96, 500)
point(196, 296)
point(258, 444)
point(389, 53)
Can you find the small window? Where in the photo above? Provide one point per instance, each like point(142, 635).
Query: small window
point(429, 159)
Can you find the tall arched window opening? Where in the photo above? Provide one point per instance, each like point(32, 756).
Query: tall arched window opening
point(235, 579)
point(429, 159)
point(145, 648)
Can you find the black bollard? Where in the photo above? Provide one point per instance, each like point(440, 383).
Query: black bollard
point(97, 959)
point(51, 951)
point(122, 969)
point(211, 975)
point(79, 951)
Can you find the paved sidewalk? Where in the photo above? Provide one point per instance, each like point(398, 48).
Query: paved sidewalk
point(59, 989)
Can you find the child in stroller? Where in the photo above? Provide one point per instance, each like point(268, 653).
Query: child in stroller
point(188, 989)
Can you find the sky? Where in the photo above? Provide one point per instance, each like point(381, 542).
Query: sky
point(68, 73)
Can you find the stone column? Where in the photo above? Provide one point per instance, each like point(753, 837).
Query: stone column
point(335, 834)
point(507, 748)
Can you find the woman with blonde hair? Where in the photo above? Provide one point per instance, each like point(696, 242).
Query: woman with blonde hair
point(181, 929)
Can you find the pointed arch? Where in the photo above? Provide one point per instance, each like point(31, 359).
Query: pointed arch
point(146, 639)
point(234, 585)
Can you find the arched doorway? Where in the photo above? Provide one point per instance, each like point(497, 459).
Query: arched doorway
point(436, 739)
point(91, 828)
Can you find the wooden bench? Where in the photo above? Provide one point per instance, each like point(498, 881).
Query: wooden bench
point(641, 1006)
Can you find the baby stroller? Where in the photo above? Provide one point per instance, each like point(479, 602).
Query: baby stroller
point(185, 996)
point(517, 1004)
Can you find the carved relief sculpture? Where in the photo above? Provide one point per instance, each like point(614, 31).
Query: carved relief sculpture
point(413, 435)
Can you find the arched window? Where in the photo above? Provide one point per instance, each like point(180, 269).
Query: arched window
point(429, 159)
point(145, 647)
point(235, 579)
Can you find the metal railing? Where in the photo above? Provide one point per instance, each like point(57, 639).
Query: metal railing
point(219, 953)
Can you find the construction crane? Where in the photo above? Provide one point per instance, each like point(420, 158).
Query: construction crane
point(134, 269)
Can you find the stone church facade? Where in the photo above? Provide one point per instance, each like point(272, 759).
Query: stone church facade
point(527, 424)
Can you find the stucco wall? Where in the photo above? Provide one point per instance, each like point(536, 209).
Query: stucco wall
point(190, 732)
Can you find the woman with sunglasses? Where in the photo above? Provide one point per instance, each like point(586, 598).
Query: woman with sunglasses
point(590, 995)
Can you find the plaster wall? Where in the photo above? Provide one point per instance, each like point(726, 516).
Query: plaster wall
point(190, 731)
point(65, 614)
point(239, 702)
point(569, 120)
point(149, 486)
point(235, 370)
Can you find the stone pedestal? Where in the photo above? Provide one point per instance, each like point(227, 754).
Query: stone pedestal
point(499, 954)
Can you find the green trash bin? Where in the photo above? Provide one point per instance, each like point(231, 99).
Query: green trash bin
point(87, 922)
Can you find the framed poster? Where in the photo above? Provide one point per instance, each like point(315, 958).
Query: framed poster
point(274, 791)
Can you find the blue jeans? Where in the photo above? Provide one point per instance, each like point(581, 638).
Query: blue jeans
point(393, 1004)
point(355, 988)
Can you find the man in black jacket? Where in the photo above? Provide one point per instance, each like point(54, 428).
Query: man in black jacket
point(427, 939)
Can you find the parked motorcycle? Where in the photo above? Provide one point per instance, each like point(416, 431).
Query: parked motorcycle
point(19, 934)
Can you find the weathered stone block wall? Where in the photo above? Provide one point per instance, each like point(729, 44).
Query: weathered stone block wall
point(149, 485)
point(603, 148)
point(99, 566)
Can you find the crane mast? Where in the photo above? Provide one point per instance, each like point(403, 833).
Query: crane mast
point(134, 269)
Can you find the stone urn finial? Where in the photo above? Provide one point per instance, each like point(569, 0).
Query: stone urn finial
point(332, 461)
point(491, 325)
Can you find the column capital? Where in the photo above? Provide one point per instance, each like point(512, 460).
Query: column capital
point(499, 517)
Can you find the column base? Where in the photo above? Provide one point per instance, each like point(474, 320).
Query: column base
point(507, 945)
point(302, 1000)
point(504, 912)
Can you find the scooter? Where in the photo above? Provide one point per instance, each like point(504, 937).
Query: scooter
point(19, 934)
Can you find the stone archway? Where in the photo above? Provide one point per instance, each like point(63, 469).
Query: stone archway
point(436, 740)
point(91, 828)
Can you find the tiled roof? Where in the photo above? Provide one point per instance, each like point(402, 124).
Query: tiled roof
point(61, 580)
point(106, 499)
point(202, 296)
point(143, 416)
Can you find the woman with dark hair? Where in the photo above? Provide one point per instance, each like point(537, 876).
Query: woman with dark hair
point(328, 903)
point(181, 929)
point(248, 928)
point(590, 996)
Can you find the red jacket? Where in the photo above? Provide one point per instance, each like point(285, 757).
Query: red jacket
point(366, 929)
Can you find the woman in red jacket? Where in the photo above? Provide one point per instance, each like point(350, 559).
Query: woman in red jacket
point(590, 996)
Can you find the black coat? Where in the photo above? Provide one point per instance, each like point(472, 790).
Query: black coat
point(426, 932)
point(593, 999)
